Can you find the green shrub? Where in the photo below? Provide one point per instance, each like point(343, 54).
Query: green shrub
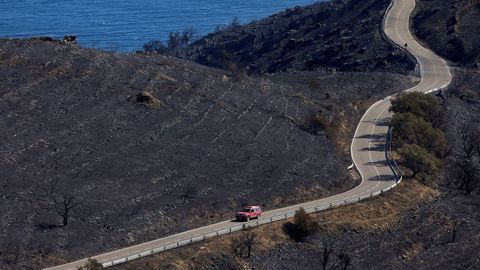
point(421, 105)
point(423, 165)
point(411, 129)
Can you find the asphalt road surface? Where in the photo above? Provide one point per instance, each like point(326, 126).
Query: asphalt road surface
point(368, 145)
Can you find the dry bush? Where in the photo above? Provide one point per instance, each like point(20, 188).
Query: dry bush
point(91, 264)
point(147, 98)
point(303, 226)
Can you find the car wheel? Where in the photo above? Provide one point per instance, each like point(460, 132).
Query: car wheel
point(259, 215)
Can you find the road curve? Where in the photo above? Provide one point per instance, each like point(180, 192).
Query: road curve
point(367, 149)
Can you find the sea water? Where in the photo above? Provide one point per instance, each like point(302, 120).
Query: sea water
point(125, 25)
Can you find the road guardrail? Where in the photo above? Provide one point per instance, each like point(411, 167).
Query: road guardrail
point(324, 206)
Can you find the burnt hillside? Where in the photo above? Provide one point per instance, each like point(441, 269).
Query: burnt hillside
point(414, 226)
point(148, 145)
point(342, 35)
point(451, 29)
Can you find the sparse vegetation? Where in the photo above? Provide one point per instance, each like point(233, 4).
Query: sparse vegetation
point(128, 161)
point(155, 46)
point(341, 35)
point(99, 161)
point(465, 170)
point(372, 220)
point(242, 246)
point(450, 28)
point(331, 259)
point(177, 41)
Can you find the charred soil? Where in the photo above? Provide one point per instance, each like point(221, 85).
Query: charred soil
point(340, 35)
point(141, 146)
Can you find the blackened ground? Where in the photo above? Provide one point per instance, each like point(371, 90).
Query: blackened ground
point(439, 234)
point(450, 27)
point(443, 234)
point(151, 145)
point(411, 227)
point(341, 35)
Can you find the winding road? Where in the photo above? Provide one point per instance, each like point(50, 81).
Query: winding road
point(368, 151)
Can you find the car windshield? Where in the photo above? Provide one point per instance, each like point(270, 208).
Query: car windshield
point(246, 210)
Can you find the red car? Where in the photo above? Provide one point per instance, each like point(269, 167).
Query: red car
point(249, 212)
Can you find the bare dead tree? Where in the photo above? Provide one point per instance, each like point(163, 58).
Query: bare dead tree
point(476, 140)
point(465, 174)
point(64, 205)
point(188, 35)
point(454, 230)
point(243, 245)
point(468, 143)
point(330, 259)
point(249, 240)
point(466, 166)
point(344, 260)
point(327, 255)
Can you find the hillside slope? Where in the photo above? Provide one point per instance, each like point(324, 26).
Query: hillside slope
point(450, 28)
point(150, 145)
point(413, 227)
point(342, 35)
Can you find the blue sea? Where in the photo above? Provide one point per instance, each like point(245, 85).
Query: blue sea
point(125, 25)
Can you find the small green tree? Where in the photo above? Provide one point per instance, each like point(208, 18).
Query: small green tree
point(303, 225)
point(411, 129)
point(421, 105)
point(419, 161)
